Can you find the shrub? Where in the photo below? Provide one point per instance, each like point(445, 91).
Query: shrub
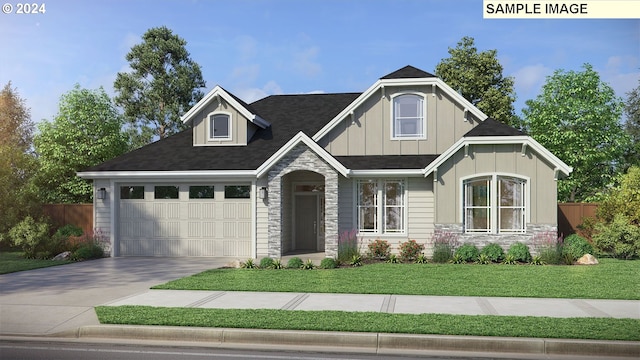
point(277, 264)
point(328, 263)
point(379, 249)
point(30, 235)
point(294, 263)
point(88, 251)
point(536, 260)
point(468, 252)
point(409, 250)
point(421, 259)
point(356, 260)
point(520, 252)
point(493, 251)
point(548, 247)
point(266, 263)
point(575, 246)
point(249, 264)
point(509, 259)
point(348, 246)
point(70, 230)
point(620, 238)
point(393, 259)
point(308, 265)
point(483, 259)
point(457, 259)
point(444, 243)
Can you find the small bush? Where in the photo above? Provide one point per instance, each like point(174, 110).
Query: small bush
point(444, 243)
point(328, 263)
point(520, 252)
point(70, 230)
point(88, 251)
point(294, 263)
point(468, 252)
point(379, 249)
point(249, 264)
point(308, 265)
point(548, 247)
point(30, 236)
point(575, 246)
point(409, 250)
point(493, 251)
point(348, 246)
point(266, 263)
point(619, 239)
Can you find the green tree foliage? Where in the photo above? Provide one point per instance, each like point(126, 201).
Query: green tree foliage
point(86, 131)
point(478, 77)
point(17, 161)
point(624, 199)
point(577, 117)
point(163, 84)
point(632, 125)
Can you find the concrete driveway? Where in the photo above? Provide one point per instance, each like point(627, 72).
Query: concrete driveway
point(61, 298)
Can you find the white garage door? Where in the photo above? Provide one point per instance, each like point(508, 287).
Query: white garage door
point(185, 220)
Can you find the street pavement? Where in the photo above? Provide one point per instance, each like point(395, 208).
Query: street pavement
point(60, 301)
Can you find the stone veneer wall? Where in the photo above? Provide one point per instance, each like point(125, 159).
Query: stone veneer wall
point(302, 158)
point(504, 240)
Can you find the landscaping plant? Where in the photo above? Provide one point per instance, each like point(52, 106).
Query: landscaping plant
point(574, 247)
point(266, 263)
point(467, 252)
point(356, 260)
point(348, 246)
point(294, 263)
point(328, 263)
point(421, 259)
point(549, 247)
point(444, 243)
point(620, 238)
point(379, 249)
point(308, 265)
point(393, 259)
point(249, 264)
point(483, 259)
point(277, 264)
point(409, 250)
point(31, 236)
point(519, 252)
point(493, 251)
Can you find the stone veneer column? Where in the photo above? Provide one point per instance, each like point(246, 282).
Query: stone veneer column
point(302, 158)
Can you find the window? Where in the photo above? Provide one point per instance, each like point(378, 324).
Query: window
point(408, 116)
point(132, 192)
point(237, 192)
point(220, 127)
point(201, 192)
point(385, 216)
point(495, 204)
point(166, 192)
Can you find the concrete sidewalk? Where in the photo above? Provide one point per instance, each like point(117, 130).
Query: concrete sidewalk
point(399, 304)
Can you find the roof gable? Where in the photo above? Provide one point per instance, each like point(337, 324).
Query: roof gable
point(408, 72)
point(492, 127)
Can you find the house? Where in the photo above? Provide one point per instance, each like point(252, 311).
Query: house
point(289, 173)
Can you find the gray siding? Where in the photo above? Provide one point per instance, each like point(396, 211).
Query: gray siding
point(241, 128)
point(368, 131)
point(500, 159)
point(262, 222)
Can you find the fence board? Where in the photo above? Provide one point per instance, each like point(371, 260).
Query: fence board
point(570, 215)
point(80, 215)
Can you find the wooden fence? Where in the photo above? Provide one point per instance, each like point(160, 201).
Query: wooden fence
point(80, 215)
point(570, 215)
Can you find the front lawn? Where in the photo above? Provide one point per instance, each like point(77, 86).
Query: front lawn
point(611, 279)
point(478, 325)
point(13, 261)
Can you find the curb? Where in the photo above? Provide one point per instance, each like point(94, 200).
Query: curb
point(365, 342)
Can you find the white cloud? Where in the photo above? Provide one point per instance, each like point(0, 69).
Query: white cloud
point(530, 78)
point(304, 61)
point(621, 73)
point(247, 47)
point(251, 94)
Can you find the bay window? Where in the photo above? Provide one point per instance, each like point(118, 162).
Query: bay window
point(495, 204)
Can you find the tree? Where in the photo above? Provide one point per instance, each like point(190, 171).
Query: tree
point(164, 83)
point(577, 117)
point(632, 125)
point(86, 131)
point(17, 162)
point(478, 77)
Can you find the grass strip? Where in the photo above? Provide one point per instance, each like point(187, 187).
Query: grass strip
point(13, 261)
point(611, 279)
point(437, 324)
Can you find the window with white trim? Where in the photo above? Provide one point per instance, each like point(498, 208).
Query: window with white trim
point(495, 204)
point(220, 127)
point(381, 206)
point(409, 120)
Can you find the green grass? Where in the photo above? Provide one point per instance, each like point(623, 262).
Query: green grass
point(480, 325)
point(12, 261)
point(611, 279)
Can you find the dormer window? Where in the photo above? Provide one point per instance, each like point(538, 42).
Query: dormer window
point(408, 117)
point(219, 127)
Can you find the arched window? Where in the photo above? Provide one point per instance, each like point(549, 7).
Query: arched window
point(408, 117)
point(495, 204)
point(220, 127)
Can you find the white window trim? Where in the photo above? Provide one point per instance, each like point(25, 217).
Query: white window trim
point(209, 119)
point(494, 228)
point(392, 116)
point(380, 226)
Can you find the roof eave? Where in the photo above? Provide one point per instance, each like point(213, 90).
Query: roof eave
point(192, 174)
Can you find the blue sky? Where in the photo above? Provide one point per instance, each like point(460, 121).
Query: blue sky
point(257, 48)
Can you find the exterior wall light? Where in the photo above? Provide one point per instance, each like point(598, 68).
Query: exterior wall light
point(262, 193)
point(101, 193)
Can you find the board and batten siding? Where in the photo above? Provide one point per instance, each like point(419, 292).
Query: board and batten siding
point(504, 158)
point(241, 128)
point(368, 131)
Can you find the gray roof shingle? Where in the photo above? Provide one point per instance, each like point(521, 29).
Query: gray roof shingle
point(491, 127)
point(408, 72)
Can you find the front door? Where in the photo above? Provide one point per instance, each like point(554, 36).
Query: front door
point(307, 224)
